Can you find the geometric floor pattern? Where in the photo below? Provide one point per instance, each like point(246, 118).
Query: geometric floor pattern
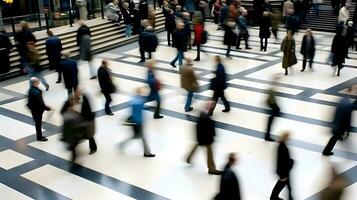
point(36, 170)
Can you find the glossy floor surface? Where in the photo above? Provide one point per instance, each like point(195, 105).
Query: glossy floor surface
point(37, 170)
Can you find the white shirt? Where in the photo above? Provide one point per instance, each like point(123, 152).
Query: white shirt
point(343, 15)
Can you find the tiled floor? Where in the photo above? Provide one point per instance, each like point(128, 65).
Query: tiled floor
point(34, 170)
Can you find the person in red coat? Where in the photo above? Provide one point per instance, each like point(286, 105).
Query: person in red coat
point(198, 31)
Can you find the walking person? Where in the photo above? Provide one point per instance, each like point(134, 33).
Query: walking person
point(229, 187)
point(85, 52)
point(218, 85)
point(200, 35)
point(148, 42)
point(37, 107)
point(288, 48)
point(205, 133)
point(137, 121)
point(70, 73)
point(341, 124)
point(180, 42)
point(188, 82)
point(34, 68)
point(307, 49)
point(275, 23)
point(284, 166)
point(216, 10)
point(54, 53)
point(243, 29)
point(170, 25)
point(230, 37)
point(264, 31)
point(106, 85)
point(274, 112)
point(339, 51)
point(155, 86)
point(5, 49)
point(127, 19)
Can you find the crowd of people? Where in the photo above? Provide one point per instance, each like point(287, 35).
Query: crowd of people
point(182, 18)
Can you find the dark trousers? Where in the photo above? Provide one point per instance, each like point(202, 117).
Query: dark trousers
point(339, 67)
point(108, 99)
point(263, 46)
point(154, 95)
point(169, 33)
point(275, 33)
point(142, 54)
point(279, 186)
point(331, 143)
point(275, 112)
point(304, 63)
point(55, 65)
point(216, 17)
point(245, 37)
point(37, 117)
point(216, 96)
point(228, 51)
point(92, 147)
point(198, 52)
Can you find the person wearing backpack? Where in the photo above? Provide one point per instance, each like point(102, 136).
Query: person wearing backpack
point(199, 35)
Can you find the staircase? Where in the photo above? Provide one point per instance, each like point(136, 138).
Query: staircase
point(326, 21)
point(105, 35)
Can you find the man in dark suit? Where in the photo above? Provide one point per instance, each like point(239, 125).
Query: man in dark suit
point(37, 107)
point(70, 73)
point(284, 166)
point(170, 25)
point(205, 133)
point(218, 85)
point(341, 124)
point(147, 42)
point(229, 187)
point(179, 41)
point(106, 85)
point(82, 30)
point(53, 51)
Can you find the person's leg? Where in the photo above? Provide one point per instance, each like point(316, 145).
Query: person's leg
point(215, 98)
point(261, 44)
point(38, 124)
point(189, 157)
point(275, 33)
point(266, 44)
point(92, 145)
point(286, 71)
point(227, 107)
point(175, 59)
point(246, 41)
point(39, 75)
point(157, 109)
point(108, 99)
point(310, 63)
point(238, 42)
point(303, 64)
point(146, 147)
point(339, 67)
point(270, 122)
point(168, 38)
point(331, 143)
point(228, 51)
point(92, 72)
point(149, 55)
point(181, 56)
point(198, 53)
point(210, 161)
point(279, 186)
point(289, 188)
point(188, 101)
point(142, 55)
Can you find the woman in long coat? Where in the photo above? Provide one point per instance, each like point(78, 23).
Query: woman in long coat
point(288, 47)
point(230, 37)
point(264, 31)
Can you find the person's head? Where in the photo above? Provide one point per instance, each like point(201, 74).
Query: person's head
point(186, 15)
point(78, 93)
point(289, 34)
point(217, 59)
point(49, 33)
point(105, 63)
point(180, 25)
point(125, 5)
point(290, 12)
point(350, 23)
point(308, 32)
point(285, 136)
point(24, 26)
point(171, 11)
point(188, 61)
point(149, 29)
point(66, 54)
point(265, 14)
point(34, 81)
point(150, 64)
point(30, 45)
point(232, 159)
point(139, 91)
point(244, 12)
point(347, 5)
point(145, 23)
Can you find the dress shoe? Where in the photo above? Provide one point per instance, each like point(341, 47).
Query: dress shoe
point(302, 70)
point(269, 139)
point(188, 109)
point(110, 113)
point(93, 77)
point(141, 61)
point(158, 116)
point(196, 59)
point(215, 172)
point(92, 151)
point(149, 155)
point(327, 153)
point(226, 110)
point(238, 48)
point(173, 65)
point(43, 139)
point(248, 48)
point(47, 87)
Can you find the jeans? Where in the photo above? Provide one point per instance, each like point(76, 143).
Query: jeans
point(128, 30)
point(38, 74)
point(138, 132)
point(179, 57)
point(37, 117)
point(154, 95)
point(189, 100)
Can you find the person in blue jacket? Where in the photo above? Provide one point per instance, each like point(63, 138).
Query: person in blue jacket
point(154, 85)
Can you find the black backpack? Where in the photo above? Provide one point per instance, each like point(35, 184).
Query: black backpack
point(204, 37)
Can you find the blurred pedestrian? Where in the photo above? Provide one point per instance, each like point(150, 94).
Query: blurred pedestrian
point(307, 49)
point(223, 14)
point(152, 16)
point(264, 31)
point(243, 29)
point(200, 35)
point(5, 49)
point(34, 68)
point(82, 30)
point(180, 42)
point(292, 24)
point(127, 19)
point(284, 166)
point(106, 85)
point(339, 51)
point(335, 6)
point(170, 25)
point(188, 26)
point(188, 82)
point(257, 10)
point(205, 133)
point(22, 37)
point(136, 20)
point(148, 42)
point(155, 86)
point(275, 22)
point(70, 73)
point(218, 85)
point(216, 10)
point(344, 14)
point(54, 53)
point(287, 5)
point(341, 124)
point(288, 48)
point(137, 119)
point(112, 11)
point(143, 7)
point(37, 107)
point(274, 112)
point(85, 52)
point(335, 188)
point(229, 187)
point(230, 37)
